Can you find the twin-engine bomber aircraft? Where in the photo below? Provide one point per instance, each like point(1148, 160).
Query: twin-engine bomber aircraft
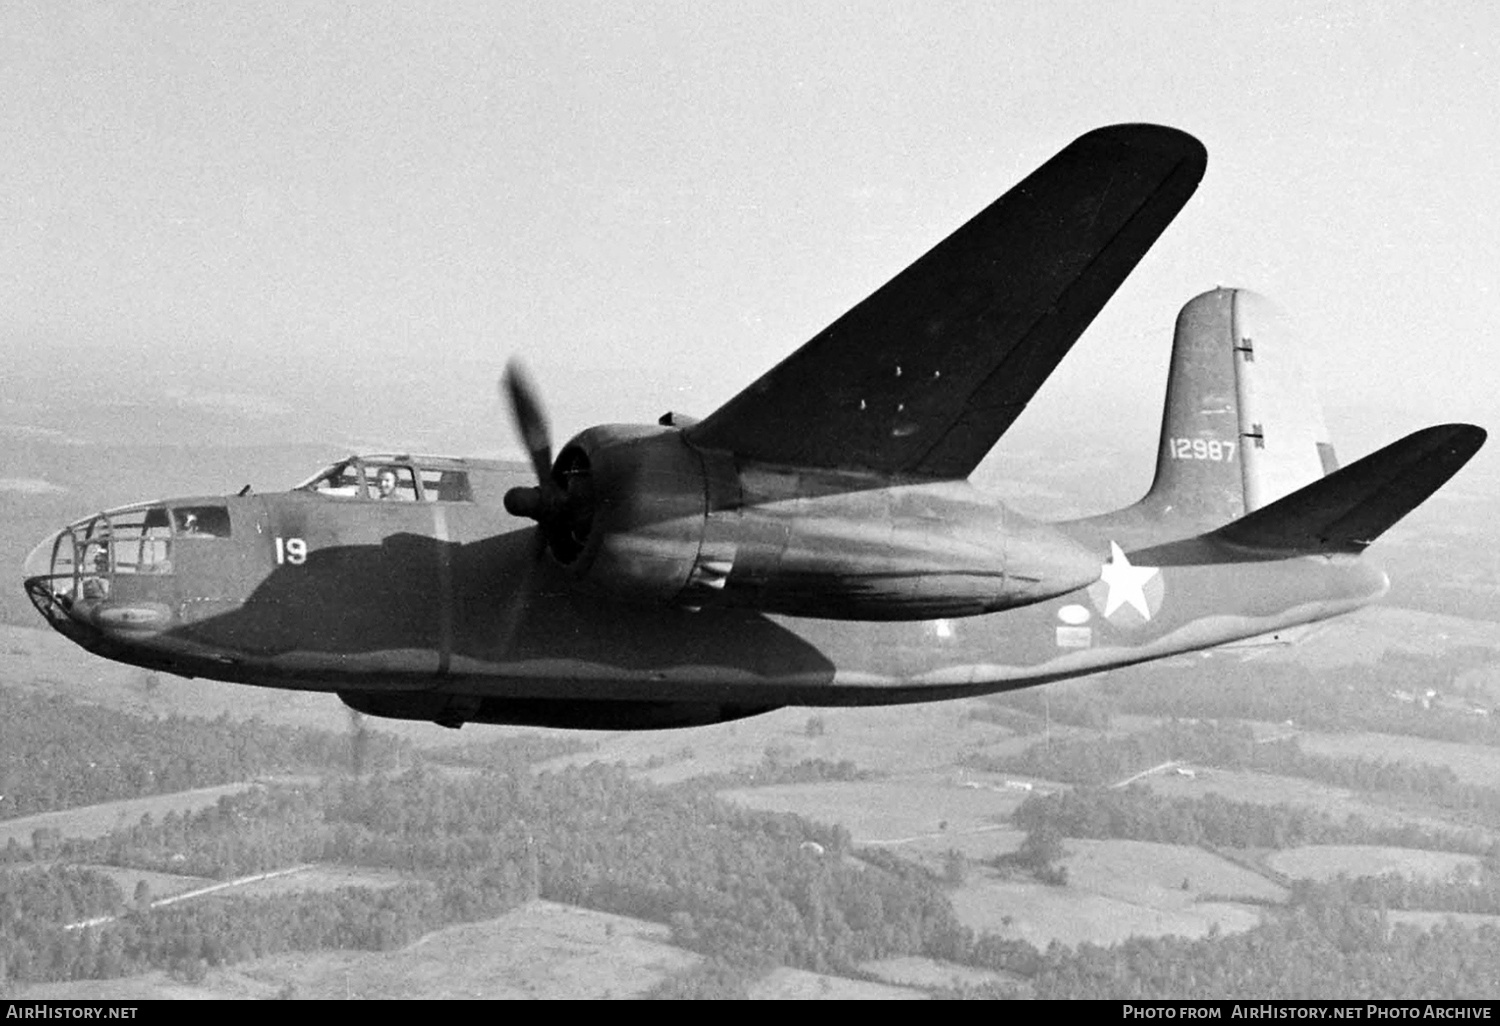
point(815, 541)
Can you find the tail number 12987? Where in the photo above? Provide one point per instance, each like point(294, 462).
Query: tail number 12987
point(1201, 449)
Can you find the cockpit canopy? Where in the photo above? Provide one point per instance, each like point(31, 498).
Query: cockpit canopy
point(392, 478)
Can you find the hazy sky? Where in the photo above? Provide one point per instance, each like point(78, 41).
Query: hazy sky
point(362, 210)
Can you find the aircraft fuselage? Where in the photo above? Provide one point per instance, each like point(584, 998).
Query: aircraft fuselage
point(449, 610)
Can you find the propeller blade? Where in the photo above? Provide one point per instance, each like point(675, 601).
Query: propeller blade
point(561, 502)
point(531, 422)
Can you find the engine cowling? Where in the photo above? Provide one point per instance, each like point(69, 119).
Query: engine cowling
point(632, 524)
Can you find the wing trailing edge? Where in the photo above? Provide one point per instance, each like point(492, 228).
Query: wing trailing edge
point(922, 377)
point(1351, 507)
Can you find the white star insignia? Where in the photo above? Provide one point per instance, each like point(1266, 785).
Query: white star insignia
point(1126, 583)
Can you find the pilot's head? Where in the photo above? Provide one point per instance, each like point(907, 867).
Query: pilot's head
point(385, 482)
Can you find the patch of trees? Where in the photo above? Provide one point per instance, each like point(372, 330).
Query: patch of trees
point(185, 939)
point(1332, 939)
point(1039, 855)
point(1135, 813)
point(1472, 889)
point(1233, 746)
point(57, 754)
point(255, 831)
point(507, 753)
point(55, 894)
point(1230, 745)
point(1319, 948)
point(1355, 697)
point(34, 903)
point(772, 770)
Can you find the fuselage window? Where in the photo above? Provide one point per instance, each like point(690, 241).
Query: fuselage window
point(155, 555)
point(201, 521)
point(128, 541)
point(340, 482)
point(445, 486)
point(392, 483)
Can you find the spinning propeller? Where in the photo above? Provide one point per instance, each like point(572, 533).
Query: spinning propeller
point(562, 501)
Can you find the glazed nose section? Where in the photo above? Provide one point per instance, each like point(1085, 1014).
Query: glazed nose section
point(100, 578)
point(53, 581)
point(39, 563)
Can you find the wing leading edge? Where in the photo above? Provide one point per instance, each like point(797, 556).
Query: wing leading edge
point(923, 376)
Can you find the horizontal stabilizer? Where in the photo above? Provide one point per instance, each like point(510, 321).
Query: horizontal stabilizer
point(1351, 507)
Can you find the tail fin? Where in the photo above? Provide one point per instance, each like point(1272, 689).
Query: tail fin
point(1350, 508)
point(1242, 425)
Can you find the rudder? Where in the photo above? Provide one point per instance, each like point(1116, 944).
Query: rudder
point(1242, 425)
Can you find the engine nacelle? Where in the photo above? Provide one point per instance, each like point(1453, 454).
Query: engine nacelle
point(640, 497)
point(636, 514)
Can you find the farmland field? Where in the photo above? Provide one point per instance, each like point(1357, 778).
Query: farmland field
point(541, 950)
point(1117, 889)
point(1265, 789)
point(1473, 764)
point(1326, 861)
point(1154, 874)
point(800, 985)
point(889, 812)
point(323, 877)
point(1259, 788)
point(914, 971)
point(1040, 914)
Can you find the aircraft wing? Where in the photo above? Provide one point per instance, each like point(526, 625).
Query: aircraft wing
point(924, 375)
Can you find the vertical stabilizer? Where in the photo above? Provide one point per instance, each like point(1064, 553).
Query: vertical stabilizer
point(1242, 425)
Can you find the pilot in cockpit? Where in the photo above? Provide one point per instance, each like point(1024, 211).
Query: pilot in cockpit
point(385, 485)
